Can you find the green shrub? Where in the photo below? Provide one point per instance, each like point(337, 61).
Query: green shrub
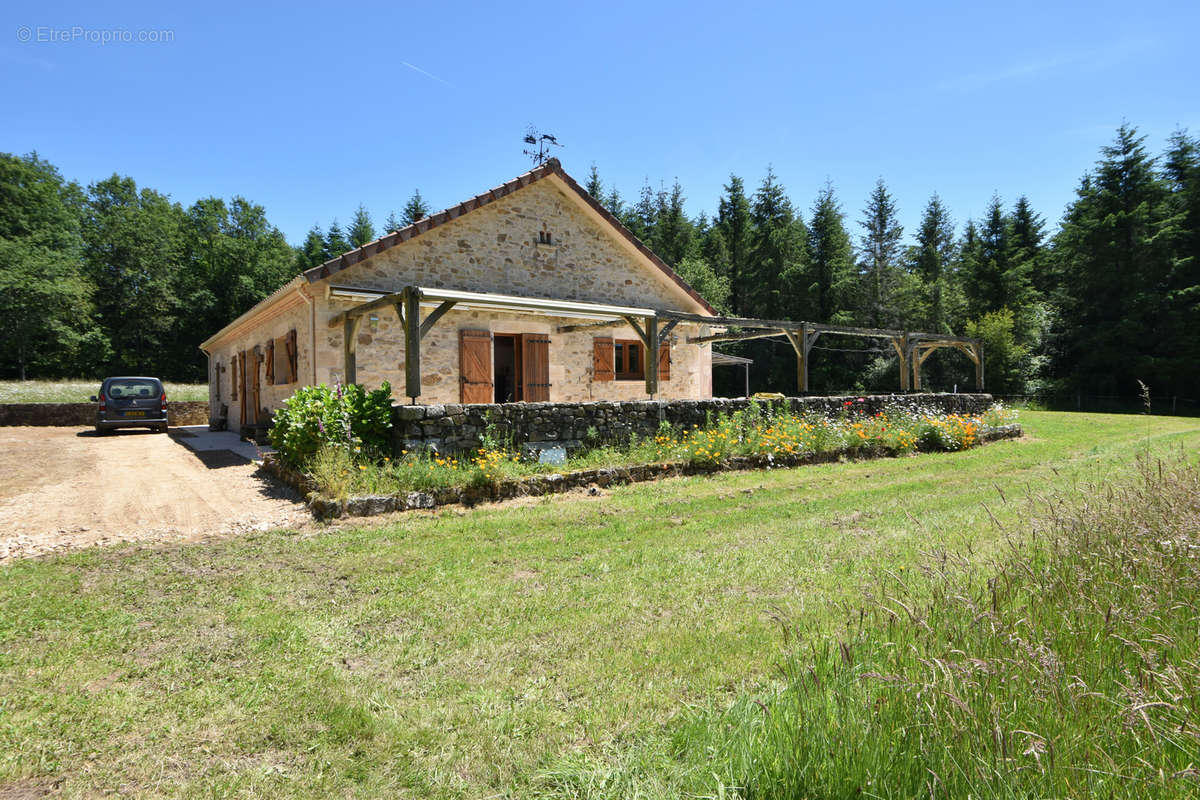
point(347, 417)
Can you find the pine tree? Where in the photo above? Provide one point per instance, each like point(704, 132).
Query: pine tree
point(594, 186)
point(1028, 248)
point(361, 230)
point(392, 223)
point(830, 260)
point(880, 246)
point(615, 205)
point(673, 231)
point(1181, 169)
point(933, 263)
point(1114, 256)
point(772, 274)
point(984, 279)
point(416, 208)
point(335, 241)
point(735, 230)
point(642, 218)
point(312, 252)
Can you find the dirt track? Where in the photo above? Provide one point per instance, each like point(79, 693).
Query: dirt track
point(66, 488)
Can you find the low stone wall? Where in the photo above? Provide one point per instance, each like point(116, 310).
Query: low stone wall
point(457, 428)
point(76, 414)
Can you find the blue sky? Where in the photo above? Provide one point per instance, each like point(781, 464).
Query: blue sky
point(312, 109)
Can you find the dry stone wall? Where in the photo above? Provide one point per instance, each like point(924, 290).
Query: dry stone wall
point(452, 427)
point(75, 414)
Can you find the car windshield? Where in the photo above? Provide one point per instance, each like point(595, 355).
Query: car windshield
point(129, 388)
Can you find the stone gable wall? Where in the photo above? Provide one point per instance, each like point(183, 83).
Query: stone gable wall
point(495, 249)
point(457, 428)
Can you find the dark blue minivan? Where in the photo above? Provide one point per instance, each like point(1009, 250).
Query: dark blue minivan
point(131, 403)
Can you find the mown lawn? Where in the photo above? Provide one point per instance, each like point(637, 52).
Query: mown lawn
point(79, 390)
point(468, 653)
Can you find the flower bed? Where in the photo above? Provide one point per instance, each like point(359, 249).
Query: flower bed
point(345, 480)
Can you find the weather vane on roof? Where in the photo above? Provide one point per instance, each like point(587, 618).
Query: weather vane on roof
point(541, 140)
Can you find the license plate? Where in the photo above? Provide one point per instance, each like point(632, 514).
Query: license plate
point(135, 413)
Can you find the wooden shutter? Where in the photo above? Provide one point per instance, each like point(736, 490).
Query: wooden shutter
point(255, 361)
point(293, 369)
point(241, 360)
point(664, 361)
point(475, 366)
point(602, 358)
point(535, 367)
point(271, 363)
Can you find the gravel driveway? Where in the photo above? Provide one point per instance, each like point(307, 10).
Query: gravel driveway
point(66, 488)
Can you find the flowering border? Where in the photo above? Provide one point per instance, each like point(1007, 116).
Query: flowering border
point(537, 485)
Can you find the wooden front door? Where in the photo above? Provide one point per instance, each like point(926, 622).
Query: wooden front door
point(475, 366)
point(535, 367)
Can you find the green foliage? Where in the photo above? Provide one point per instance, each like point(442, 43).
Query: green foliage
point(879, 266)
point(1006, 363)
point(1115, 253)
point(347, 417)
point(830, 260)
point(700, 276)
point(416, 208)
point(361, 229)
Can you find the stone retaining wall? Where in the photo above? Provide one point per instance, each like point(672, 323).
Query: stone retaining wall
point(457, 428)
point(76, 414)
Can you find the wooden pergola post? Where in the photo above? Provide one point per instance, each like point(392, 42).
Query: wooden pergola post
point(801, 342)
point(411, 299)
point(978, 347)
point(900, 343)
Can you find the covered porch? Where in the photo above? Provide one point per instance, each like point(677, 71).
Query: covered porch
point(419, 309)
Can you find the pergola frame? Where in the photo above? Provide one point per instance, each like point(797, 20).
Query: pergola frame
point(652, 326)
point(912, 347)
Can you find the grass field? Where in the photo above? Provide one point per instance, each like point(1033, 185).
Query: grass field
point(79, 390)
point(483, 653)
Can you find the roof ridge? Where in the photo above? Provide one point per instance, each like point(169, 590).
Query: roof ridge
point(552, 166)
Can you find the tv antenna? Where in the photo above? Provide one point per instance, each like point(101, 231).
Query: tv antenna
point(541, 141)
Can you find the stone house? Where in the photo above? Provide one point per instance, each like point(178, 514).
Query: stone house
point(529, 292)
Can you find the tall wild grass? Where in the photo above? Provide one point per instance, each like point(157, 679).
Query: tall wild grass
point(1070, 671)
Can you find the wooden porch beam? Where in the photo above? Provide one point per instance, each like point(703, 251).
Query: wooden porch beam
point(735, 337)
point(358, 311)
point(435, 315)
point(590, 326)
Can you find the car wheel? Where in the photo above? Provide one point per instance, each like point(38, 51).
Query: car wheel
point(162, 428)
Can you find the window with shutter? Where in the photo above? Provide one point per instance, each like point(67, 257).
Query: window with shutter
point(664, 362)
point(629, 363)
point(293, 358)
point(270, 361)
point(602, 359)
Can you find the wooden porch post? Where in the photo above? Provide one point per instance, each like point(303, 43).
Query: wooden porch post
point(412, 342)
point(350, 349)
point(650, 364)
